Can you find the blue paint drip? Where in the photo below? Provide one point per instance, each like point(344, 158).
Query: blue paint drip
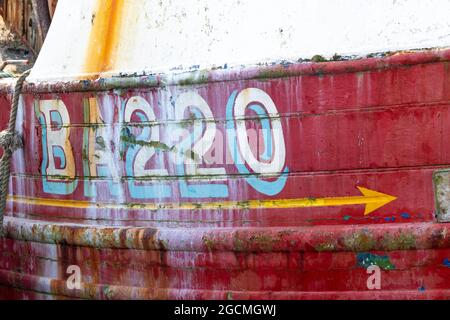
point(405, 215)
point(422, 289)
point(365, 260)
point(446, 262)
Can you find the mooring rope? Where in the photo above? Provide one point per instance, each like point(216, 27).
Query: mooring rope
point(10, 140)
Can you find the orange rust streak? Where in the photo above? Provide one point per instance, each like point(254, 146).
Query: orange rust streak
point(104, 37)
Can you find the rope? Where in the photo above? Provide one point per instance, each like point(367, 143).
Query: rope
point(10, 140)
point(4, 74)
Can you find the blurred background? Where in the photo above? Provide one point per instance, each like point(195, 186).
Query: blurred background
point(23, 27)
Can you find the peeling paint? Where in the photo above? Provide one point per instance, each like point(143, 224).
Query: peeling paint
point(401, 241)
point(360, 241)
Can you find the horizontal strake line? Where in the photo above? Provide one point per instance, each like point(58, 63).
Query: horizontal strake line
point(371, 199)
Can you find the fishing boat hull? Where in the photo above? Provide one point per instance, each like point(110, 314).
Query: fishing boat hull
point(289, 181)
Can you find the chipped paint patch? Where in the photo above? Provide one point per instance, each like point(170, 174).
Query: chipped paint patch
point(362, 240)
point(210, 244)
point(326, 246)
point(401, 241)
point(366, 260)
point(441, 181)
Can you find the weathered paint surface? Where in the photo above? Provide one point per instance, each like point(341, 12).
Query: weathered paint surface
point(234, 185)
point(151, 36)
point(107, 20)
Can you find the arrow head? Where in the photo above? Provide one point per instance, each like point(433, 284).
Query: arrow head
point(375, 199)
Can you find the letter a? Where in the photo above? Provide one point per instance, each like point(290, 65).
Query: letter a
point(374, 281)
point(74, 281)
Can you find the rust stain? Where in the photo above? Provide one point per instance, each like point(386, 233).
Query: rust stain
point(104, 38)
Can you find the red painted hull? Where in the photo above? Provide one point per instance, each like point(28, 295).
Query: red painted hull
point(380, 124)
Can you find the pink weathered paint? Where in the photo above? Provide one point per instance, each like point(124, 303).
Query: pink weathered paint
point(376, 123)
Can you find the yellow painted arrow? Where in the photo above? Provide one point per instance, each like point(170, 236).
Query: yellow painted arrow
point(372, 199)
